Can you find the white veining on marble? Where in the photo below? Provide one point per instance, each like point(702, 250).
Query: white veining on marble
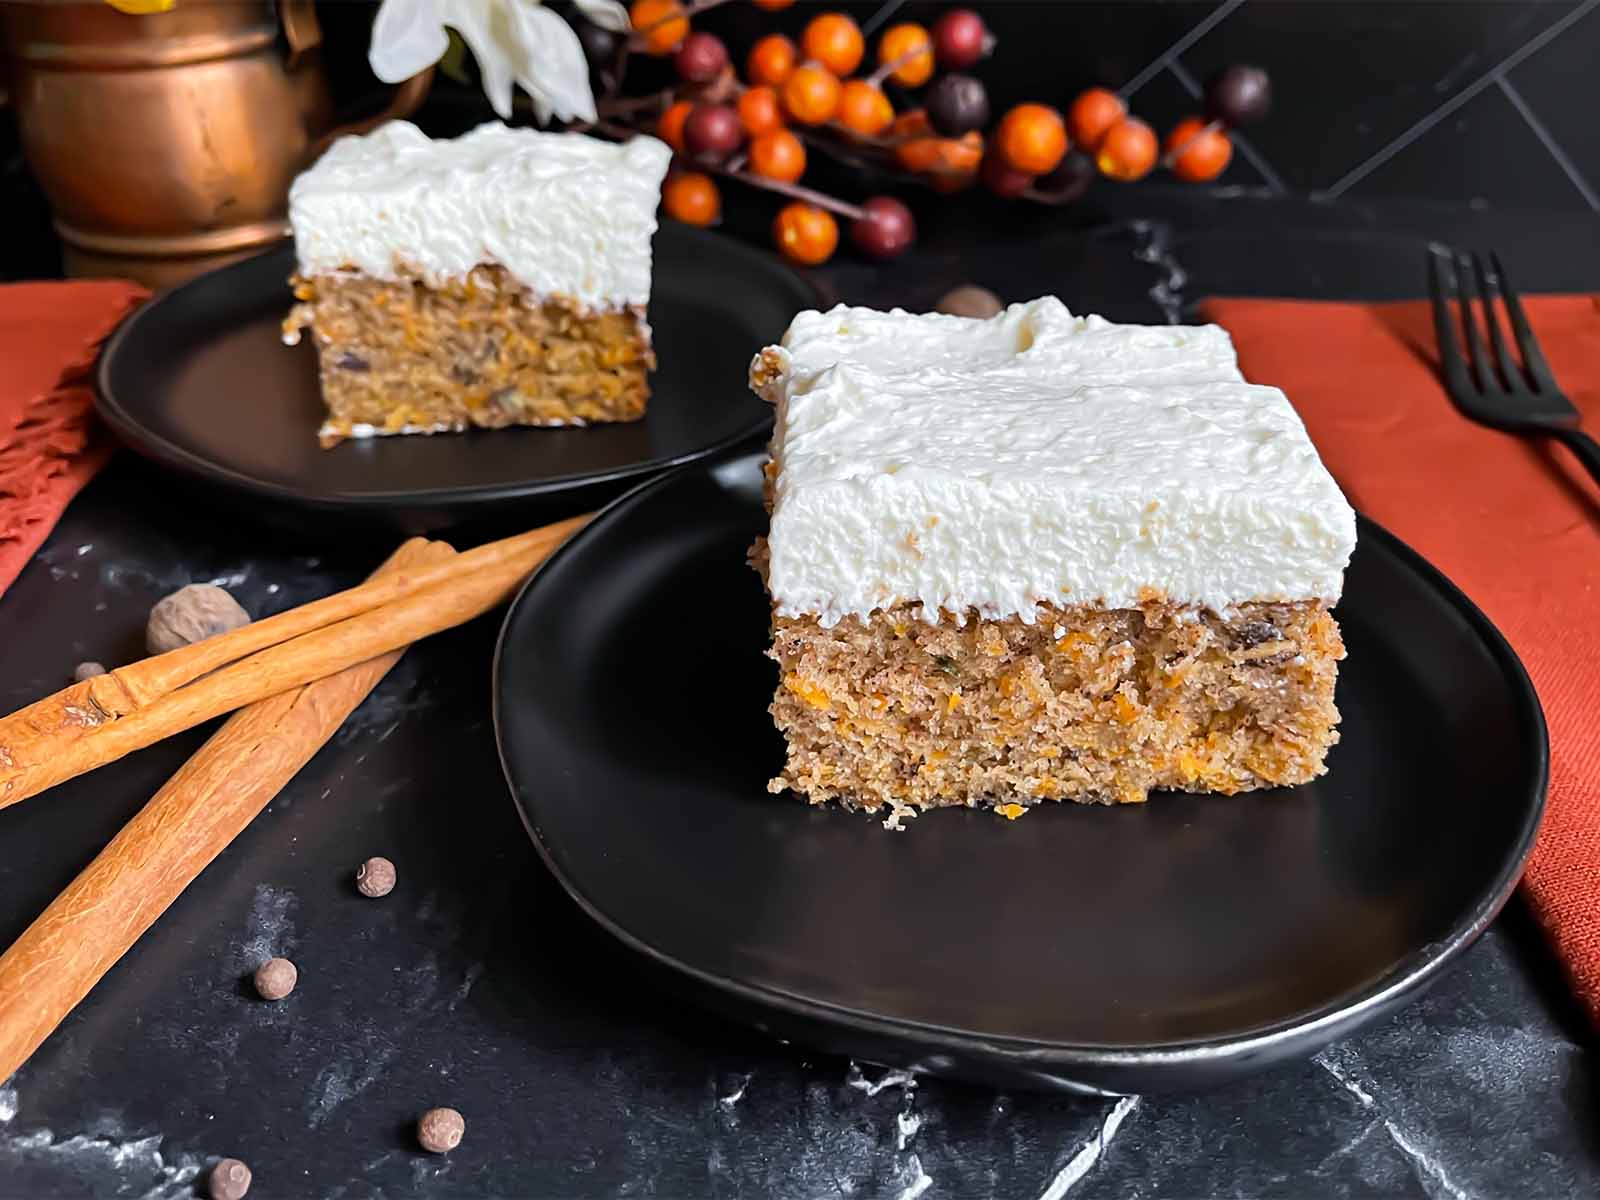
point(1081, 1163)
point(270, 929)
point(8, 1104)
point(138, 1160)
point(1433, 1176)
point(907, 1123)
point(920, 1180)
point(895, 1078)
point(737, 1094)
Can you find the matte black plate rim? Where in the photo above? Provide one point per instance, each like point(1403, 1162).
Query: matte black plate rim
point(1423, 965)
point(151, 445)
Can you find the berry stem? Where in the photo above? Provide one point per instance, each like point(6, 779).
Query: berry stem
point(894, 64)
point(794, 191)
point(616, 106)
point(1176, 152)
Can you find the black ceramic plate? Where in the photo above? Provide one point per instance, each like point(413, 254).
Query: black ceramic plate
point(1172, 944)
point(200, 380)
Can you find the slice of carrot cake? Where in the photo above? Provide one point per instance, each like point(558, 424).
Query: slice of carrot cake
point(499, 278)
point(1042, 557)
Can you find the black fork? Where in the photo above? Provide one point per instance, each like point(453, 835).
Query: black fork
point(1517, 396)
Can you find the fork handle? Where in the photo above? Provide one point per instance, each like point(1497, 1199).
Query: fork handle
point(1584, 448)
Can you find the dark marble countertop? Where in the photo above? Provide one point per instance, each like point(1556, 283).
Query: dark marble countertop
point(477, 984)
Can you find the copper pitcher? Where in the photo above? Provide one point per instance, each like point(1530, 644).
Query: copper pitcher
point(167, 142)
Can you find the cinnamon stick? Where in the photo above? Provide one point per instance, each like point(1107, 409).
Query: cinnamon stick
point(199, 811)
point(100, 720)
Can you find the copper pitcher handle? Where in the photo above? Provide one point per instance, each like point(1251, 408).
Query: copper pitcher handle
point(303, 32)
point(408, 97)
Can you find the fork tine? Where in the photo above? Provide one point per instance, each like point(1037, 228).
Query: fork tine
point(1480, 355)
point(1509, 367)
point(1532, 357)
point(1455, 368)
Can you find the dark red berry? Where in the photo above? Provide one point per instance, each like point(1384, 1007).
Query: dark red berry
point(1239, 95)
point(886, 230)
point(599, 45)
point(1069, 180)
point(701, 57)
point(960, 38)
point(712, 131)
point(957, 104)
point(1001, 179)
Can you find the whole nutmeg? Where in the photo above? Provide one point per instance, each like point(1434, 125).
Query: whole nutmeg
point(192, 614)
point(229, 1180)
point(440, 1130)
point(375, 877)
point(969, 300)
point(86, 670)
point(276, 978)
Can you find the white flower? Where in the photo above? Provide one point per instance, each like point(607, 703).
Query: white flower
point(514, 41)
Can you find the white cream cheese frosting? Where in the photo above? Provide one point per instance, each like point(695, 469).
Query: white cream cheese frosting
point(1036, 457)
point(563, 213)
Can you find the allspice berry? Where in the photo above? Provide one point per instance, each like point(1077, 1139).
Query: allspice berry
point(192, 614)
point(86, 670)
point(276, 978)
point(375, 877)
point(969, 300)
point(229, 1180)
point(440, 1130)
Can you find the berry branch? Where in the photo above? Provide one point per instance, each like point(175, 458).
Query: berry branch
point(798, 98)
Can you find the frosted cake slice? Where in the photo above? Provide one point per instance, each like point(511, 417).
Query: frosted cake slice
point(499, 278)
point(1042, 557)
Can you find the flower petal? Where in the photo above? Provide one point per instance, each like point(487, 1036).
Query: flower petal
point(407, 36)
point(550, 64)
point(608, 14)
point(489, 32)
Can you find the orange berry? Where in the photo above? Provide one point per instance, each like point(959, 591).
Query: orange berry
point(1128, 150)
point(958, 161)
point(1091, 114)
point(954, 160)
point(811, 95)
point(864, 108)
point(759, 110)
point(805, 233)
point(1196, 151)
point(835, 41)
point(914, 149)
point(773, 5)
point(778, 154)
point(905, 42)
point(659, 24)
point(670, 128)
point(692, 198)
point(771, 60)
point(1032, 139)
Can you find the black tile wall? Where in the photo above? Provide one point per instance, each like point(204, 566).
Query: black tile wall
point(1350, 78)
point(1446, 160)
point(1558, 86)
point(1489, 103)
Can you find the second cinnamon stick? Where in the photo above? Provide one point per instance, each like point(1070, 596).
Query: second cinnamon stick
point(198, 812)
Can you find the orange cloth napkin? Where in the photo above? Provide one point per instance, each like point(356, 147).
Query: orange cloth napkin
point(1514, 522)
point(49, 447)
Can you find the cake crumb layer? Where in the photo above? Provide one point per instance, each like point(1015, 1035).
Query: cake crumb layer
point(1085, 704)
point(404, 357)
